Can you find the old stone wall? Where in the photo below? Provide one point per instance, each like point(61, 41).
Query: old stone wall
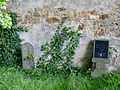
point(96, 19)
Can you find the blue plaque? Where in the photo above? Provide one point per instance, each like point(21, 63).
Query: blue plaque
point(101, 49)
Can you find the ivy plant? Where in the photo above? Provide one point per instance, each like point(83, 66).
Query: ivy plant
point(31, 57)
point(5, 19)
point(10, 52)
point(58, 54)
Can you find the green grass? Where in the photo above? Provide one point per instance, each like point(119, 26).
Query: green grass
point(13, 79)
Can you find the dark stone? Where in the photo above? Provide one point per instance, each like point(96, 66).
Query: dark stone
point(52, 20)
point(118, 23)
point(101, 49)
point(104, 16)
point(61, 9)
point(81, 27)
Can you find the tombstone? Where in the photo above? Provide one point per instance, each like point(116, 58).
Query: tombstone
point(100, 57)
point(27, 50)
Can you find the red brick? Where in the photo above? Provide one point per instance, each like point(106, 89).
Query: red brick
point(81, 27)
point(104, 16)
point(52, 20)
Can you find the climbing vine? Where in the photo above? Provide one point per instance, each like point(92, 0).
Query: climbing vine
point(10, 52)
point(58, 54)
point(31, 57)
point(5, 19)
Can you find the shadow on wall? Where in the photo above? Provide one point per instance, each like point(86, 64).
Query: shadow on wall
point(87, 59)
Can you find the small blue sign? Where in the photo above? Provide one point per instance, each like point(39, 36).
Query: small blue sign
point(101, 49)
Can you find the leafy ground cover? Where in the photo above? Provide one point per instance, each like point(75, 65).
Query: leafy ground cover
point(14, 79)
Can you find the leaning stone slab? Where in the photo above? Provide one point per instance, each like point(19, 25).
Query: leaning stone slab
point(27, 50)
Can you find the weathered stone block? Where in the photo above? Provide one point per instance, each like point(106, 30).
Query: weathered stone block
point(30, 11)
point(107, 23)
point(104, 16)
point(18, 15)
point(101, 33)
point(82, 14)
point(26, 19)
point(36, 14)
point(38, 9)
point(47, 8)
point(52, 20)
point(36, 20)
point(27, 50)
point(81, 27)
point(94, 17)
point(94, 12)
point(61, 9)
point(72, 13)
point(118, 23)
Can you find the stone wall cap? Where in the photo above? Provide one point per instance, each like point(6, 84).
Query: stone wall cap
point(100, 60)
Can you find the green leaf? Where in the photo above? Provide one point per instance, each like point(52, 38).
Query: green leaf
point(68, 17)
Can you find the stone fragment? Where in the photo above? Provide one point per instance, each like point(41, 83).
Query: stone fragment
point(82, 14)
point(71, 13)
point(81, 27)
point(35, 26)
point(30, 11)
point(45, 15)
point(38, 9)
point(52, 20)
point(61, 9)
point(104, 16)
point(8, 10)
point(59, 13)
point(107, 23)
point(101, 33)
point(35, 20)
point(36, 14)
point(46, 8)
point(18, 15)
point(112, 68)
point(94, 17)
point(114, 41)
point(29, 19)
point(25, 20)
point(94, 12)
point(118, 23)
point(118, 18)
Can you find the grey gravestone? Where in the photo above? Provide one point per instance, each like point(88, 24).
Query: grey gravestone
point(27, 50)
point(100, 57)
